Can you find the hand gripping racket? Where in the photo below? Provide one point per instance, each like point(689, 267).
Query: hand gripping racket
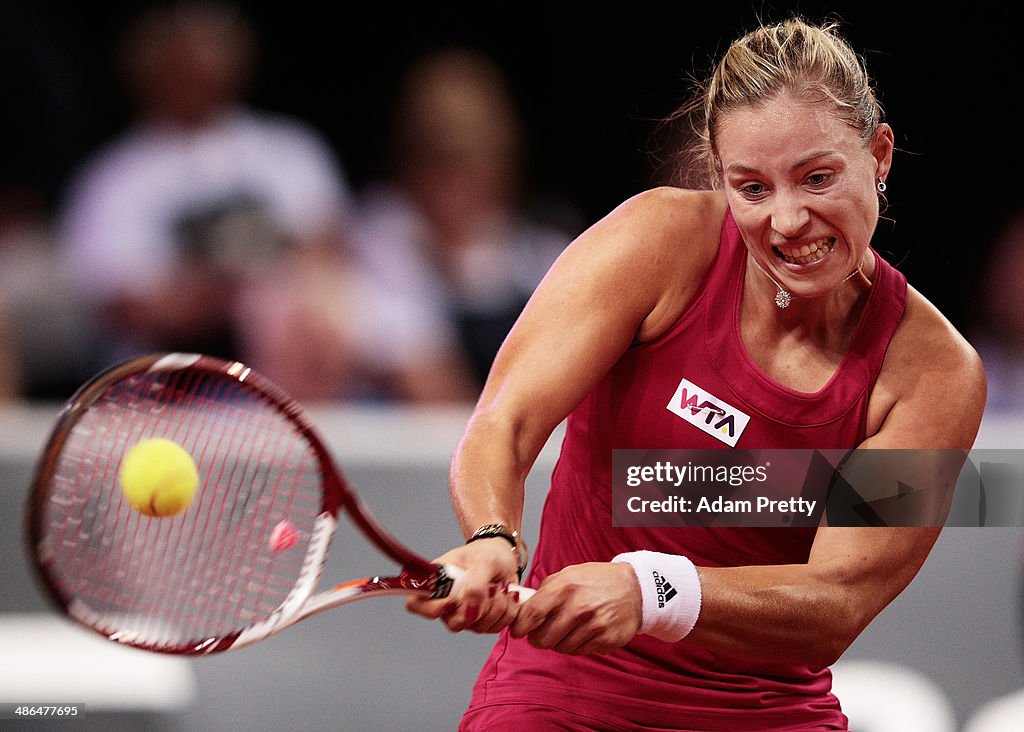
point(212, 577)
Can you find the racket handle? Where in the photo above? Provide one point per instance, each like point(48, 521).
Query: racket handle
point(456, 573)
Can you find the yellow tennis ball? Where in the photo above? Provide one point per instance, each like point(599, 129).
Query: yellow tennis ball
point(158, 477)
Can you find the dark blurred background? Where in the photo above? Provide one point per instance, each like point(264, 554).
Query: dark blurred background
point(590, 85)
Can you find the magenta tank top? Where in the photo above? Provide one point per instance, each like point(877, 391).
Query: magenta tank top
point(682, 686)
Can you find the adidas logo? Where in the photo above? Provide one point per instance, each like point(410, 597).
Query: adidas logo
point(664, 589)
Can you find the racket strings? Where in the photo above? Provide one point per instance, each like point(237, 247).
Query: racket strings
point(160, 564)
point(205, 573)
point(272, 471)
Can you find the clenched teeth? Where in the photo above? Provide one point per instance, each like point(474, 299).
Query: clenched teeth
point(807, 253)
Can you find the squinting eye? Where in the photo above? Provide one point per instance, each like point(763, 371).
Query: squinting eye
point(752, 190)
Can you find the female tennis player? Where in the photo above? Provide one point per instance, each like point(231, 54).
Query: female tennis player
point(765, 297)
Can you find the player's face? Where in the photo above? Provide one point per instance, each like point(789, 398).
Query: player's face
point(801, 186)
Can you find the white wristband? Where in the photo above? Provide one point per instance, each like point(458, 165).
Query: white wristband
point(670, 592)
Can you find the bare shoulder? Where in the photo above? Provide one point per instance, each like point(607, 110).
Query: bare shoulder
point(928, 342)
point(932, 379)
point(671, 237)
point(680, 220)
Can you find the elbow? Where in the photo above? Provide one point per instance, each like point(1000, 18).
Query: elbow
point(843, 623)
point(830, 650)
point(507, 431)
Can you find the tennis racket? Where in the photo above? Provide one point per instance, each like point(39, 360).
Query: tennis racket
point(212, 577)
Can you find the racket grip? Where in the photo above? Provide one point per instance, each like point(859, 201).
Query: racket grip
point(457, 573)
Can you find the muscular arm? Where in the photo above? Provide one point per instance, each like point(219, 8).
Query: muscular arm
point(930, 397)
point(623, 280)
point(610, 288)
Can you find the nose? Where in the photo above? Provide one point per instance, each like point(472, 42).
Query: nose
point(789, 215)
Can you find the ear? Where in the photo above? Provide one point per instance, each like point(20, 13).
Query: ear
point(882, 147)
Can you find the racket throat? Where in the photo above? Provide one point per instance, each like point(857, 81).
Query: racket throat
point(296, 604)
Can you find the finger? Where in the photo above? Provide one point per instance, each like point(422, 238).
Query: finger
point(545, 636)
point(487, 614)
point(558, 628)
point(549, 633)
point(502, 612)
point(432, 609)
point(468, 602)
point(583, 638)
point(462, 617)
point(475, 587)
point(579, 641)
point(530, 614)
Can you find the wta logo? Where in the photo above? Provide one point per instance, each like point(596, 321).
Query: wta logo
point(708, 413)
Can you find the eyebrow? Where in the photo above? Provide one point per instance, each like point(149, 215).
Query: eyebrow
point(740, 168)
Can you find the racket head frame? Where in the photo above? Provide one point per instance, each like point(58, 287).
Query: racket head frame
point(417, 575)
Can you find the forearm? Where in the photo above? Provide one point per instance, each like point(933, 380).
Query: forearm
point(486, 484)
point(783, 612)
point(809, 613)
point(488, 474)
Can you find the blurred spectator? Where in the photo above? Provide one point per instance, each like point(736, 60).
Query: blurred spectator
point(202, 202)
point(448, 225)
point(323, 331)
point(44, 338)
point(999, 336)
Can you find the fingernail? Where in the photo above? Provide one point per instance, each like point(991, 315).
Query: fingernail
point(504, 587)
point(450, 608)
point(472, 612)
point(515, 596)
point(492, 590)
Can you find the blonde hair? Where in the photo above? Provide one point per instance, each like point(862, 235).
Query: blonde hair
point(815, 62)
